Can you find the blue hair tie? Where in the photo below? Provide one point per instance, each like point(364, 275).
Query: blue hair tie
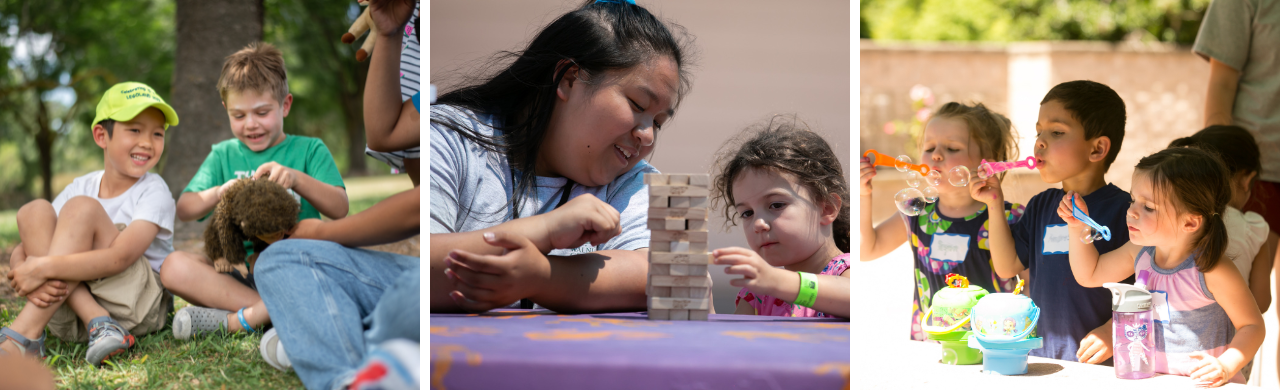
point(632, 2)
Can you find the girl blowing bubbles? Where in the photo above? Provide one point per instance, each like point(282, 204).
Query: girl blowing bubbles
point(956, 135)
point(1210, 324)
point(787, 190)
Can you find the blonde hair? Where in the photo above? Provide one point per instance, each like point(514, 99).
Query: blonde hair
point(258, 67)
point(992, 131)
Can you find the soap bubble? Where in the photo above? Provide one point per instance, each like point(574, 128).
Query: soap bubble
point(913, 179)
point(930, 194)
point(1090, 235)
point(958, 176)
point(910, 201)
point(934, 178)
point(903, 161)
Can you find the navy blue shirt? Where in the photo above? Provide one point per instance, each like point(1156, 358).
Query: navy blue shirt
point(1068, 311)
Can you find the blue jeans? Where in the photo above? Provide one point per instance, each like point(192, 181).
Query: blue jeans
point(323, 296)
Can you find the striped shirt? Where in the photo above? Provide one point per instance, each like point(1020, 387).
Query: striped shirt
point(1187, 318)
point(410, 82)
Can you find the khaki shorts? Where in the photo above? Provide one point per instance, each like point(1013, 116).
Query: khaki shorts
point(134, 298)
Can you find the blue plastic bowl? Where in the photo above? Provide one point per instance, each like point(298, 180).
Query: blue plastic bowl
point(1005, 358)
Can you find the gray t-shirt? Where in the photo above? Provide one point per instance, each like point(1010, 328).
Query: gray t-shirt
point(471, 187)
point(1245, 35)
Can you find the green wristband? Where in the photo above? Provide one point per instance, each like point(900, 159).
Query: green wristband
point(808, 289)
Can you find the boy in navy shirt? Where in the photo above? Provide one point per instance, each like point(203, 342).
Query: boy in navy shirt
point(1078, 135)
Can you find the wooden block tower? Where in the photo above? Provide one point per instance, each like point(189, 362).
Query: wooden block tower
point(679, 285)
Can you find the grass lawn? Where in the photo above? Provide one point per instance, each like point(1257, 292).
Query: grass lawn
point(159, 361)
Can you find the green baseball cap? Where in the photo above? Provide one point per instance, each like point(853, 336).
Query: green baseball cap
point(124, 101)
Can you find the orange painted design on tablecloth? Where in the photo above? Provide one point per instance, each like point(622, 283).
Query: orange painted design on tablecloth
point(445, 331)
point(444, 353)
point(844, 326)
point(594, 322)
point(804, 338)
point(576, 335)
point(839, 367)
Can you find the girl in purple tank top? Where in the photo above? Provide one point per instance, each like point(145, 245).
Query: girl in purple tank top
point(1207, 325)
point(786, 188)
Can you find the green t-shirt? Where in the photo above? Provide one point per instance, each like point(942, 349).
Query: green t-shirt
point(230, 159)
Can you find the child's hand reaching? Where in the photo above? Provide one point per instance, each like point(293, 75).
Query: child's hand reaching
point(757, 275)
point(1064, 210)
point(282, 175)
point(868, 172)
point(224, 187)
point(1209, 371)
point(1095, 348)
point(987, 191)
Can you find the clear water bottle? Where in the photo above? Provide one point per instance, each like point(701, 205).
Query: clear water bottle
point(1131, 339)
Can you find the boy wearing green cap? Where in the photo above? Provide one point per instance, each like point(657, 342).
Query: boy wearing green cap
point(255, 92)
point(88, 263)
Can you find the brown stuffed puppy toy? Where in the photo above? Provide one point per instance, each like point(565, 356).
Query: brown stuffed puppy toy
point(251, 215)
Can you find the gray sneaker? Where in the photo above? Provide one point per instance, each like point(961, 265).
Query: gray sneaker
point(193, 320)
point(273, 351)
point(107, 339)
point(27, 347)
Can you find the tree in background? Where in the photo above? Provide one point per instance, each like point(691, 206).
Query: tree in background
point(60, 56)
point(1175, 21)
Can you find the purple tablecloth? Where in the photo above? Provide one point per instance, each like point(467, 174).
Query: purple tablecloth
point(530, 349)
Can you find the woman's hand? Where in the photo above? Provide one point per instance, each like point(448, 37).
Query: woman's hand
point(583, 219)
point(484, 282)
point(1064, 210)
point(757, 275)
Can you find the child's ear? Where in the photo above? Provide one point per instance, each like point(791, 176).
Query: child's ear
point(285, 105)
point(100, 136)
point(569, 80)
point(1192, 222)
point(831, 208)
point(1101, 146)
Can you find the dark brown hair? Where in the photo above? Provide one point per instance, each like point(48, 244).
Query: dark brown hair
point(992, 131)
point(1097, 107)
point(785, 145)
point(1233, 144)
point(1195, 181)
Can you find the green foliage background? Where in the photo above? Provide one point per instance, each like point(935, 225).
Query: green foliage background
point(1175, 21)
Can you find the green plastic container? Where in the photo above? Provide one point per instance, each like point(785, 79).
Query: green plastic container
point(948, 320)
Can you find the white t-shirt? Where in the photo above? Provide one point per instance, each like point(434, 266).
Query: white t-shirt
point(147, 200)
point(1246, 232)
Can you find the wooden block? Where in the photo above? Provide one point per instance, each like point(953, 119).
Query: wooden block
point(679, 303)
point(681, 281)
point(697, 292)
point(679, 247)
point(680, 292)
point(696, 225)
point(661, 268)
point(659, 201)
point(697, 202)
point(699, 315)
point(698, 247)
point(679, 315)
point(663, 246)
point(657, 224)
point(655, 179)
point(675, 224)
point(678, 179)
point(700, 180)
point(680, 202)
point(678, 270)
point(660, 291)
point(670, 212)
point(660, 314)
point(678, 235)
point(678, 258)
point(694, 270)
point(667, 190)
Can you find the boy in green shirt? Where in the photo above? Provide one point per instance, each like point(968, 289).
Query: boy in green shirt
point(255, 92)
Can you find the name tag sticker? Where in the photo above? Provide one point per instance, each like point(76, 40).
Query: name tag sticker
point(1160, 306)
point(949, 247)
point(1056, 240)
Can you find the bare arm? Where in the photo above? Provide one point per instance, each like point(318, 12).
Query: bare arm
point(393, 219)
point(1004, 252)
point(389, 123)
point(128, 246)
point(1227, 286)
point(1221, 96)
point(882, 239)
point(329, 200)
point(193, 205)
point(610, 280)
point(1260, 273)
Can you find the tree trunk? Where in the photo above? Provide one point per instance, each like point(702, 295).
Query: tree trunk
point(353, 110)
point(44, 144)
point(208, 31)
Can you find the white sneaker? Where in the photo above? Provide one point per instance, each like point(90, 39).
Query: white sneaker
point(273, 351)
point(392, 365)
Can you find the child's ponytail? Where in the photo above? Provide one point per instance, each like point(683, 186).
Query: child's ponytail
point(1196, 182)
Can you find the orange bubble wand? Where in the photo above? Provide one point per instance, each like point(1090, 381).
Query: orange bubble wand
point(884, 160)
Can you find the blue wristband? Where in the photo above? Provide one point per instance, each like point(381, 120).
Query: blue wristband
point(243, 323)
